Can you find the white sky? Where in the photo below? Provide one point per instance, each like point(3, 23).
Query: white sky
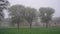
point(39, 3)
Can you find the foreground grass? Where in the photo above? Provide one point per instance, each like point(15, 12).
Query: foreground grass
point(28, 31)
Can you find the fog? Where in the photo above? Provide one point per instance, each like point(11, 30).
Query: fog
point(39, 3)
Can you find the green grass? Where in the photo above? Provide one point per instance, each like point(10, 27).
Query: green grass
point(27, 31)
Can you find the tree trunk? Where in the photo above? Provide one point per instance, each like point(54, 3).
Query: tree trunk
point(47, 24)
point(18, 26)
point(30, 27)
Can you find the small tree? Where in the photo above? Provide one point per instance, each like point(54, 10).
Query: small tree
point(46, 14)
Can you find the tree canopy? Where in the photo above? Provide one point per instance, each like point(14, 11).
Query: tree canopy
point(46, 14)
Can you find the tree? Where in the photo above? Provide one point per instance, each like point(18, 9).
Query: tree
point(30, 15)
point(20, 13)
point(16, 13)
point(46, 14)
point(3, 5)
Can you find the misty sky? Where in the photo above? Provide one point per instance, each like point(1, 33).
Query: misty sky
point(39, 3)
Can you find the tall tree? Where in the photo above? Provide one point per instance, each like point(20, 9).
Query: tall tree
point(16, 13)
point(30, 15)
point(46, 14)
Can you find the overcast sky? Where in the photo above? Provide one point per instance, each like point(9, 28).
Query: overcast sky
point(39, 3)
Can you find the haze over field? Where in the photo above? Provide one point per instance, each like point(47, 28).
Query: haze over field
point(39, 3)
point(29, 17)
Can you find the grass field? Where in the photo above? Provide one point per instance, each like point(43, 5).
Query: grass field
point(28, 31)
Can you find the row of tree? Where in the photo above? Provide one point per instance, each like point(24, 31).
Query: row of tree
point(19, 13)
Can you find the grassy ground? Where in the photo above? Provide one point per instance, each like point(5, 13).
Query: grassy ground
point(27, 31)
